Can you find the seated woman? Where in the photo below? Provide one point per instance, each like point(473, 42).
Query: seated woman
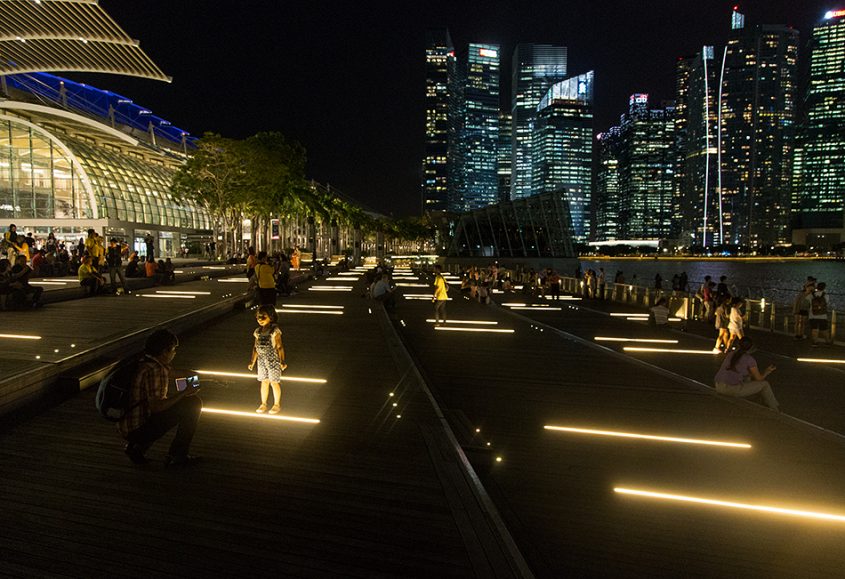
point(133, 268)
point(659, 314)
point(740, 377)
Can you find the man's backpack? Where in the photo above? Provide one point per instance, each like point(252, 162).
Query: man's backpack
point(114, 396)
point(818, 305)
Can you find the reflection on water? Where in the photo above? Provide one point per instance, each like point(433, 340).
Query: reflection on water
point(778, 281)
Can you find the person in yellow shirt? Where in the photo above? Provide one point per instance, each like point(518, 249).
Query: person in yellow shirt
point(440, 295)
point(89, 277)
point(95, 249)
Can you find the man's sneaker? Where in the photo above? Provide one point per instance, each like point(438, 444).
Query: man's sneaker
point(135, 453)
point(182, 461)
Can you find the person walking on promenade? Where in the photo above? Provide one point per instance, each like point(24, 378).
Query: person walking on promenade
point(658, 282)
point(152, 413)
point(739, 375)
point(295, 257)
point(269, 352)
point(801, 310)
point(735, 320)
point(114, 259)
point(440, 295)
point(265, 274)
point(722, 320)
point(819, 306)
point(554, 284)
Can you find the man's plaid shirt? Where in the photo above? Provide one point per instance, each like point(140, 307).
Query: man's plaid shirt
point(150, 383)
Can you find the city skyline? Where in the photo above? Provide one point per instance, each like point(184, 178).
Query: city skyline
point(349, 84)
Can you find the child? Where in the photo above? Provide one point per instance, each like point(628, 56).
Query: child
point(269, 352)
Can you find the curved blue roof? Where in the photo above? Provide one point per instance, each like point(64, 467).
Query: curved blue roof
point(93, 101)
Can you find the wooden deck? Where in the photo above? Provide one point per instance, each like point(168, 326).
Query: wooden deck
point(366, 494)
point(555, 489)
point(361, 494)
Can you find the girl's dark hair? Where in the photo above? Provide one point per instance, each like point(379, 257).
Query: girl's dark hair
point(742, 347)
point(268, 311)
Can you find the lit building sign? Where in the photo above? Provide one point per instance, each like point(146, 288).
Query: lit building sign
point(638, 99)
point(487, 53)
point(834, 14)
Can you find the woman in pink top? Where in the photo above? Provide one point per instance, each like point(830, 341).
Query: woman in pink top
point(740, 377)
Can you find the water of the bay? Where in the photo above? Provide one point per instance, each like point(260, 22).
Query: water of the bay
point(775, 280)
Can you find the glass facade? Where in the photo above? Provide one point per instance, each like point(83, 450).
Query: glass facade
point(505, 168)
point(53, 176)
point(757, 132)
point(39, 179)
point(606, 198)
point(474, 132)
point(698, 195)
point(645, 169)
point(535, 68)
point(562, 145)
point(536, 226)
point(819, 188)
point(438, 53)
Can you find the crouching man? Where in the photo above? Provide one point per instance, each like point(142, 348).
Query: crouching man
point(152, 413)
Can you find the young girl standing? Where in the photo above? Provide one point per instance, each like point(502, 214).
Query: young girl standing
point(269, 352)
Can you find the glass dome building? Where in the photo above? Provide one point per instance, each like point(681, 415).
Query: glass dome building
point(73, 157)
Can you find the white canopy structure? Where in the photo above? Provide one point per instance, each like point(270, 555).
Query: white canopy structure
point(68, 36)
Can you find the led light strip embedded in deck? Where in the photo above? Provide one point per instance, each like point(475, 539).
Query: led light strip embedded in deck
point(649, 437)
point(170, 296)
point(490, 330)
point(325, 312)
point(536, 308)
point(642, 340)
point(255, 376)
point(179, 292)
point(730, 504)
point(475, 322)
point(310, 306)
point(20, 337)
point(670, 350)
point(821, 361)
point(261, 416)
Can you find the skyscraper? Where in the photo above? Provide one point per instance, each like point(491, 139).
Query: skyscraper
point(434, 171)
point(562, 147)
point(474, 128)
point(698, 150)
point(757, 132)
point(505, 167)
point(646, 162)
point(535, 68)
point(606, 198)
point(819, 192)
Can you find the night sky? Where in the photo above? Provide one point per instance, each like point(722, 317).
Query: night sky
point(346, 78)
